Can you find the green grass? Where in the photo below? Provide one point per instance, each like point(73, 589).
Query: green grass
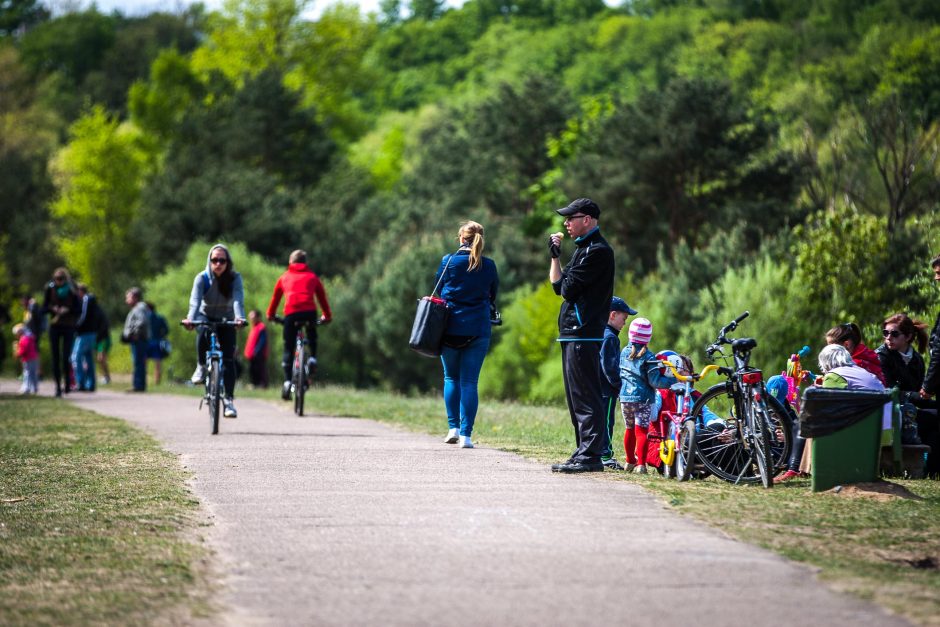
point(96, 524)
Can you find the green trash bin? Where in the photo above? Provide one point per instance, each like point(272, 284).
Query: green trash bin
point(846, 429)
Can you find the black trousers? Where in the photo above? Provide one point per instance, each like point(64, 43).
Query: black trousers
point(62, 339)
point(581, 368)
point(291, 322)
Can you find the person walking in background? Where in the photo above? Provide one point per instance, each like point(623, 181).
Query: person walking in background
point(27, 351)
point(34, 318)
point(586, 286)
point(86, 336)
point(158, 344)
point(469, 282)
point(302, 290)
point(931, 384)
point(61, 303)
point(610, 369)
point(256, 350)
point(641, 374)
point(103, 344)
point(136, 332)
point(217, 294)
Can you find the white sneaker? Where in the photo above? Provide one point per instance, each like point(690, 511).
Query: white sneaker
point(199, 375)
point(230, 412)
point(465, 442)
point(451, 437)
point(640, 470)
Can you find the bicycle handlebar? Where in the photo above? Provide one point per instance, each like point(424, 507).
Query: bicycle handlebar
point(208, 323)
point(715, 347)
point(280, 320)
point(692, 377)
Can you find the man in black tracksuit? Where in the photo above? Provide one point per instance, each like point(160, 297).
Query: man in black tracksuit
point(587, 285)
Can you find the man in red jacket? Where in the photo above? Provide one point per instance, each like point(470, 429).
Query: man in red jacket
point(302, 290)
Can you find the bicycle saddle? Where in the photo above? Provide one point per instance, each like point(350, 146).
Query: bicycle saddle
point(744, 344)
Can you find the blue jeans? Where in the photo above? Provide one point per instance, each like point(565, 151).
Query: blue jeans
point(83, 360)
point(461, 372)
point(139, 353)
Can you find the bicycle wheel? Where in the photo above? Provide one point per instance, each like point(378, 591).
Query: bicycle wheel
point(758, 439)
point(720, 446)
point(299, 379)
point(214, 383)
point(685, 451)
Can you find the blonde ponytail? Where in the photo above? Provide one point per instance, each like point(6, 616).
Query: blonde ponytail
point(471, 236)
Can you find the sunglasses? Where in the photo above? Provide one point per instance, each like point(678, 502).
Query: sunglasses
point(219, 260)
point(893, 333)
point(58, 278)
point(574, 217)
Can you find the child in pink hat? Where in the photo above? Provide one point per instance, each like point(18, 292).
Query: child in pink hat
point(640, 375)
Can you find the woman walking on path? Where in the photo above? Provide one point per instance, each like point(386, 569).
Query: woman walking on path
point(469, 282)
point(61, 302)
point(217, 294)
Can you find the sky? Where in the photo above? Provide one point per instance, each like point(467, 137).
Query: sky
point(142, 7)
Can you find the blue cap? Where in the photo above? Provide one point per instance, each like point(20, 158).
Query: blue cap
point(619, 304)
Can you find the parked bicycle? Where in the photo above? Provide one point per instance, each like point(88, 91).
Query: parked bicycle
point(752, 442)
point(214, 380)
point(304, 365)
point(677, 448)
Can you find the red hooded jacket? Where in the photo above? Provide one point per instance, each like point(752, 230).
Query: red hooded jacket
point(866, 358)
point(299, 285)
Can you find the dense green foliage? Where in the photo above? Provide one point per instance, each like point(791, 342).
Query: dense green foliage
point(776, 156)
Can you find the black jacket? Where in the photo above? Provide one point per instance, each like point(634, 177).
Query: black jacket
point(87, 316)
point(907, 377)
point(587, 285)
point(932, 380)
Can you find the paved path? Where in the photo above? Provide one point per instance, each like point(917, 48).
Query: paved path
point(333, 521)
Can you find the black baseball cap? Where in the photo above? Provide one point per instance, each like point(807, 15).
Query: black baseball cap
point(581, 205)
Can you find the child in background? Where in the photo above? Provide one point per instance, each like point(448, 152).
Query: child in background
point(28, 354)
point(640, 375)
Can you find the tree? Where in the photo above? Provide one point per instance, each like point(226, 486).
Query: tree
point(684, 162)
point(18, 15)
point(98, 177)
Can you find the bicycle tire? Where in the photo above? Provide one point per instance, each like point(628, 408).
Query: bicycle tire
point(782, 417)
point(215, 396)
point(759, 440)
point(685, 451)
point(299, 380)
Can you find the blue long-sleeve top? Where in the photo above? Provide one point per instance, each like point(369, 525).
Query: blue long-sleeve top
point(641, 376)
point(468, 293)
point(610, 362)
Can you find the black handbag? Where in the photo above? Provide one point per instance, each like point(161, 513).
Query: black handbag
point(427, 332)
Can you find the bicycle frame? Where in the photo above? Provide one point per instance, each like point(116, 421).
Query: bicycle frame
point(668, 445)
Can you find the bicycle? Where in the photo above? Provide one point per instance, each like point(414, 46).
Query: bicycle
point(304, 365)
point(678, 450)
point(753, 440)
point(214, 379)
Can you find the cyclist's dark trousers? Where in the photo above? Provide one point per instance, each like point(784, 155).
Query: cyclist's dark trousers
point(62, 338)
point(226, 337)
point(611, 407)
point(581, 368)
point(291, 322)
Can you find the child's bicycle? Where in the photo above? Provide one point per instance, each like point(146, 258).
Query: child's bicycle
point(677, 445)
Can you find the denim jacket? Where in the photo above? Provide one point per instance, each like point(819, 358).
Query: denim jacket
point(641, 376)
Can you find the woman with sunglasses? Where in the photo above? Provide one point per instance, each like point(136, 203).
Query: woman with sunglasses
point(217, 294)
point(62, 303)
point(901, 364)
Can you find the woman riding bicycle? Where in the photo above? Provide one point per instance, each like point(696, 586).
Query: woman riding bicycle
point(217, 294)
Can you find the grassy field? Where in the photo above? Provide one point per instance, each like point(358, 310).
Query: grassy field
point(96, 524)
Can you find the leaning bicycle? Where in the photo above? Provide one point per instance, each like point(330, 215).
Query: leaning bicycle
point(303, 365)
point(753, 439)
point(214, 379)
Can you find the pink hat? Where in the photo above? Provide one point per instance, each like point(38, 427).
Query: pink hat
point(641, 330)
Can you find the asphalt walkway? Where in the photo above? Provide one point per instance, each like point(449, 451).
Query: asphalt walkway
point(335, 521)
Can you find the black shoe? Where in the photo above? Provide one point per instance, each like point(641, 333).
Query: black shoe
point(573, 466)
point(612, 463)
point(555, 467)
